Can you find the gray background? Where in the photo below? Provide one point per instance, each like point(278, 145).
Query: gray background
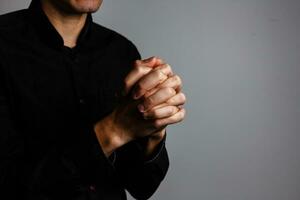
point(239, 60)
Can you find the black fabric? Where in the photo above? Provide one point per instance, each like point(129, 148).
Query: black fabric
point(50, 98)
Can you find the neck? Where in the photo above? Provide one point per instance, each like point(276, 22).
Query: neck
point(67, 25)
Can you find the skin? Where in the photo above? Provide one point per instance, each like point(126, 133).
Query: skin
point(76, 7)
point(69, 16)
point(153, 86)
point(152, 98)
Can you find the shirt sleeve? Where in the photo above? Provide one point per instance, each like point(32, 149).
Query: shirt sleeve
point(139, 176)
point(157, 151)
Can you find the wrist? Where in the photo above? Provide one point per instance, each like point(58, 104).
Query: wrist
point(158, 136)
point(109, 137)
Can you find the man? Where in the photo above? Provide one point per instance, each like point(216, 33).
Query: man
point(81, 116)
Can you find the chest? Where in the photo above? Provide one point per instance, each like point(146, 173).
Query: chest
point(58, 85)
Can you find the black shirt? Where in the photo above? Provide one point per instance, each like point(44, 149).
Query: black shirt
point(50, 98)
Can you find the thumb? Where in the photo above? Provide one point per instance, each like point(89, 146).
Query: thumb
point(141, 68)
point(152, 62)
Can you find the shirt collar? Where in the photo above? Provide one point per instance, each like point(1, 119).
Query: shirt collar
point(46, 30)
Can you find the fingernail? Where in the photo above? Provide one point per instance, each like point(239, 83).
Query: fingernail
point(141, 107)
point(136, 96)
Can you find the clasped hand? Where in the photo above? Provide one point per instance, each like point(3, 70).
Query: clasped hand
point(151, 100)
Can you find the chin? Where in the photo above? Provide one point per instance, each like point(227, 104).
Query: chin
point(85, 6)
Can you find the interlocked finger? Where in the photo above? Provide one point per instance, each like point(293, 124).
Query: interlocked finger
point(178, 117)
point(161, 96)
point(177, 100)
point(151, 80)
point(173, 81)
point(162, 112)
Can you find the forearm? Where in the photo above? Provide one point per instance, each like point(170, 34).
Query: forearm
point(142, 163)
point(109, 135)
point(111, 138)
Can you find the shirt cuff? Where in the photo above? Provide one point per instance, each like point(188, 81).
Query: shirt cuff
point(157, 152)
point(98, 151)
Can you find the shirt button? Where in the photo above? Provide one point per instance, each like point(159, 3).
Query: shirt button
point(81, 101)
point(92, 188)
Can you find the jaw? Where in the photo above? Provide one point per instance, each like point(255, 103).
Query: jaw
point(72, 7)
point(86, 6)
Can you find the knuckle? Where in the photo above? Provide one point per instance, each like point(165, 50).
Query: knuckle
point(182, 114)
point(172, 110)
point(139, 69)
point(160, 74)
point(171, 101)
point(178, 79)
point(170, 91)
point(168, 67)
point(155, 113)
point(149, 101)
point(182, 97)
point(157, 124)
